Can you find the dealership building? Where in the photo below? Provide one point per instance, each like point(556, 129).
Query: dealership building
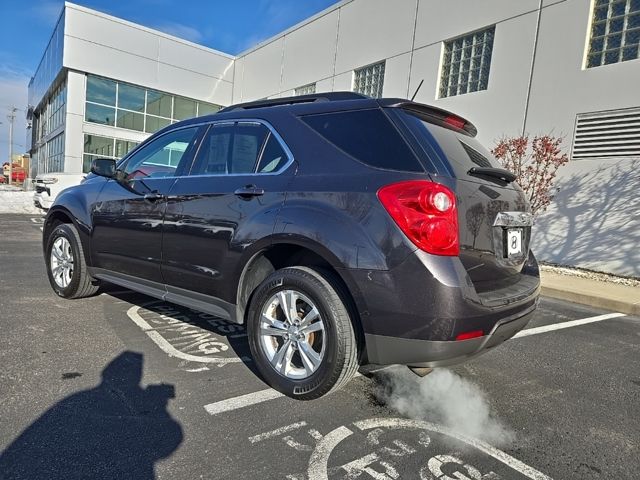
point(566, 67)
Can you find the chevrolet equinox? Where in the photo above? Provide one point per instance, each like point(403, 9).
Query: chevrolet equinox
point(342, 230)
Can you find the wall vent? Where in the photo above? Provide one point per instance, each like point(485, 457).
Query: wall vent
point(609, 134)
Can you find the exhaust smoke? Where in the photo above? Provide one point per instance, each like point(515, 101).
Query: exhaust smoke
point(445, 398)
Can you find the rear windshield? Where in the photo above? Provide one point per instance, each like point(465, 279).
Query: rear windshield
point(368, 136)
point(461, 151)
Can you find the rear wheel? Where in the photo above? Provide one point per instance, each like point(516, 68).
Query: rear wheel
point(66, 267)
point(300, 333)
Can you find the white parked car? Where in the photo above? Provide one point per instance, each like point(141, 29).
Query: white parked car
point(49, 185)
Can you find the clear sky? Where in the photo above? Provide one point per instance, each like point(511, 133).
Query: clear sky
point(227, 25)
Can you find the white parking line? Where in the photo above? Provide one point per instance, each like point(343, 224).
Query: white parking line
point(277, 432)
point(242, 401)
point(270, 394)
point(572, 323)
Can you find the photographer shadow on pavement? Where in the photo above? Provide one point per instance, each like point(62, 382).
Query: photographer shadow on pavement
point(116, 430)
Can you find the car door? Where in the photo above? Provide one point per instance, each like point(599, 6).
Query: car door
point(229, 200)
point(128, 214)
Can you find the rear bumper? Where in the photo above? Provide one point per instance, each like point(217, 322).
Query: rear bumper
point(385, 350)
point(413, 313)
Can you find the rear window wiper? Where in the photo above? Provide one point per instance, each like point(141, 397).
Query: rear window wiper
point(500, 173)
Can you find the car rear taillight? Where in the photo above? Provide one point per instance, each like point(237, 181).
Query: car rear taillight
point(426, 212)
point(455, 122)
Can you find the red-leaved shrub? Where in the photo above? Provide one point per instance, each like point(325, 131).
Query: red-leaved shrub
point(535, 164)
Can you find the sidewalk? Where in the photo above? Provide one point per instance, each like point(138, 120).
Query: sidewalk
point(595, 293)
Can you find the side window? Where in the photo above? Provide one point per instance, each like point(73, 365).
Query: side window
point(367, 136)
point(230, 149)
point(273, 156)
point(214, 151)
point(163, 156)
point(248, 140)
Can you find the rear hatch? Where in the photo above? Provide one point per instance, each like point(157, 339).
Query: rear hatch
point(493, 213)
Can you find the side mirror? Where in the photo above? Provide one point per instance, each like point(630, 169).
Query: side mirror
point(104, 167)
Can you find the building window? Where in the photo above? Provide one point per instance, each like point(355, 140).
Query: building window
point(610, 134)
point(369, 80)
point(615, 32)
point(96, 146)
point(466, 62)
point(101, 90)
point(51, 114)
point(123, 105)
point(55, 154)
point(56, 108)
point(47, 141)
point(309, 89)
point(100, 114)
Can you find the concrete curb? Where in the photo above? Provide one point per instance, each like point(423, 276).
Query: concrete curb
point(608, 295)
point(592, 300)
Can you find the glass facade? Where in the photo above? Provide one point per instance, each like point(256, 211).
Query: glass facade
point(49, 66)
point(122, 105)
point(49, 156)
point(369, 80)
point(466, 63)
point(47, 131)
point(96, 146)
point(615, 32)
point(50, 116)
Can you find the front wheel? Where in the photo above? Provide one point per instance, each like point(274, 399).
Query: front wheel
point(66, 267)
point(300, 333)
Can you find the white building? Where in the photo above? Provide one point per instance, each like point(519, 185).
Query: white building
point(105, 84)
point(567, 67)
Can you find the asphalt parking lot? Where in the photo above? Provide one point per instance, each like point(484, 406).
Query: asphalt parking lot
point(122, 386)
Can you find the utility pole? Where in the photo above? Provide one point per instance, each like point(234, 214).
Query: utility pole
point(11, 117)
point(2, 169)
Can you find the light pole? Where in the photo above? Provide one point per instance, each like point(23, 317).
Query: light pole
point(11, 117)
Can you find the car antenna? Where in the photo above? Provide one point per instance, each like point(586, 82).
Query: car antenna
point(417, 89)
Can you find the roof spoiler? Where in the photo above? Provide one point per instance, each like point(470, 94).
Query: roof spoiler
point(320, 97)
point(435, 115)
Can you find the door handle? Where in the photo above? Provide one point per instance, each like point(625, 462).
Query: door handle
point(154, 196)
point(249, 191)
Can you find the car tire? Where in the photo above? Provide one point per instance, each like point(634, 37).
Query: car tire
point(66, 266)
point(321, 353)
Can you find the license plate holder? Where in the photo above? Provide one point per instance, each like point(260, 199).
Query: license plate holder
point(513, 247)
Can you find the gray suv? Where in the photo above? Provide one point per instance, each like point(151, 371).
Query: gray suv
point(342, 230)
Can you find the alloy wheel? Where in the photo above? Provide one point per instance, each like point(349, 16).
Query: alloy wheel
point(292, 334)
point(62, 262)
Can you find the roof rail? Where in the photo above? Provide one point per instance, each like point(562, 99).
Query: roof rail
point(315, 97)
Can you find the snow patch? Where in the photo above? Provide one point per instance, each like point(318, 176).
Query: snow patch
point(14, 200)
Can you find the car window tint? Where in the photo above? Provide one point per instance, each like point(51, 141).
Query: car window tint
point(368, 136)
point(214, 152)
point(462, 151)
point(230, 149)
point(273, 156)
point(162, 156)
point(247, 145)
